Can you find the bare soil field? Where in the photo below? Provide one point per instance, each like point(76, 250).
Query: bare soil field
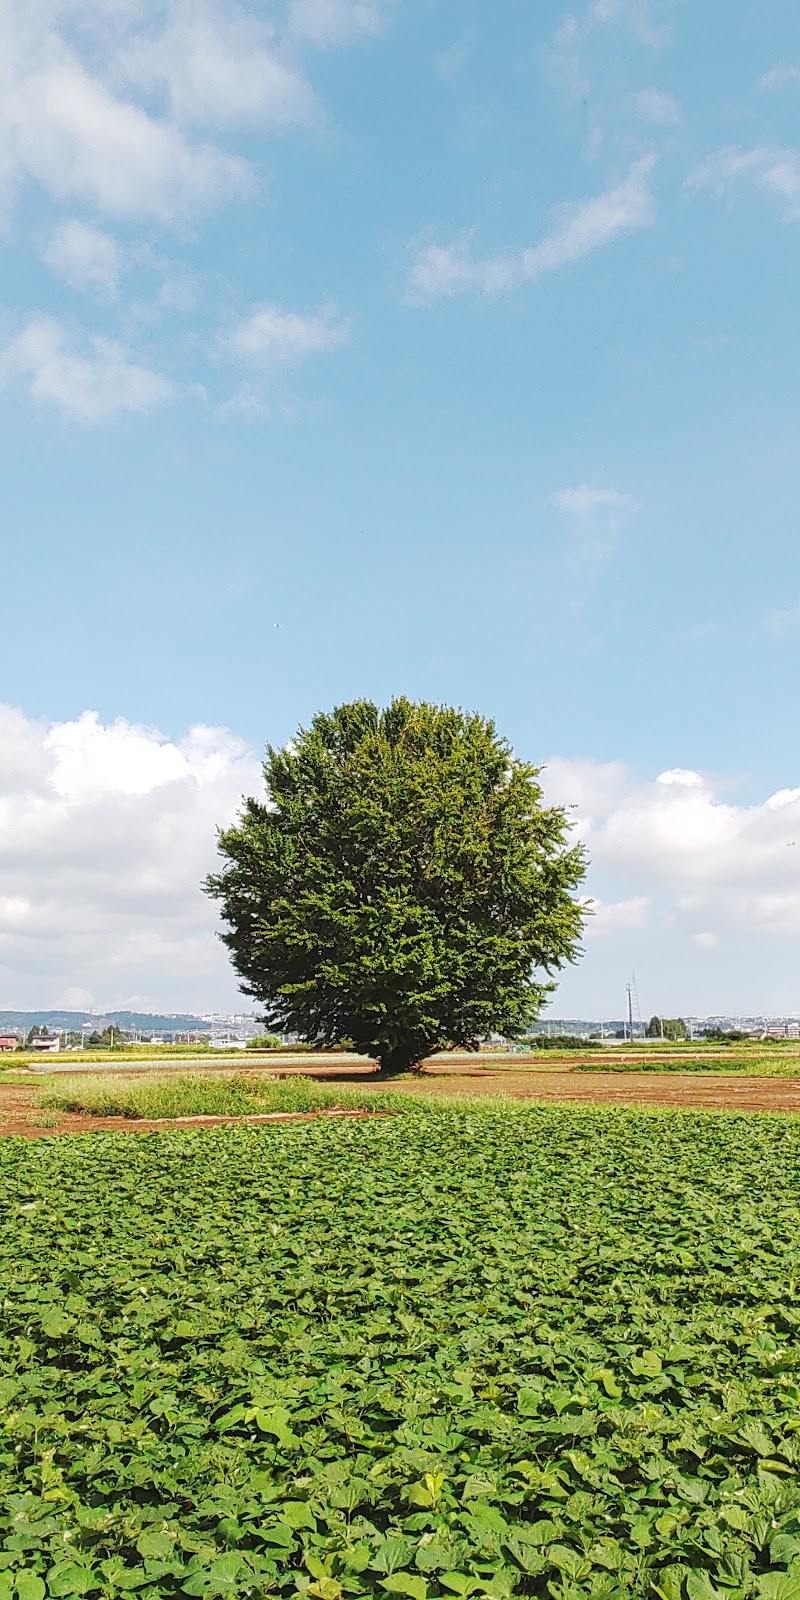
point(695, 1090)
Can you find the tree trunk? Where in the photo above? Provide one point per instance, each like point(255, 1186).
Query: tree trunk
point(394, 1062)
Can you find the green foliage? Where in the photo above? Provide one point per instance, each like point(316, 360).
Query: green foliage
point(39, 1030)
point(266, 1041)
point(670, 1028)
point(402, 885)
point(196, 1094)
point(726, 1036)
point(548, 1352)
point(562, 1041)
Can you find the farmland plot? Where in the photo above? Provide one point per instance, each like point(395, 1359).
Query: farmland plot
point(461, 1351)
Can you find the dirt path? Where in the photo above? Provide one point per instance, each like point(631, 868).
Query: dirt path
point(20, 1119)
point(19, 1114)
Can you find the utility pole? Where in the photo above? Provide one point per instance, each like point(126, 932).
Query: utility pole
point(634, 995)
point(629, 988)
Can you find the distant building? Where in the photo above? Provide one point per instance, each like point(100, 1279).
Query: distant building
point(50, 1045)
point(8, 1041)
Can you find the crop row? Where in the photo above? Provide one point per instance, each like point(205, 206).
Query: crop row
point(463, 1351)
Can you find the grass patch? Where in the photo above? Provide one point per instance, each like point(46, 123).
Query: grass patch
point(204, 1094)
point(754, 1066)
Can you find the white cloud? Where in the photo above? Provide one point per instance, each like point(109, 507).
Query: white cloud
point(105, 836)
point(779, 77)
point(99, 98)
point(654, 106)
point(681, 777)
point(330, 22)
point(675, 836)
point(635, 15)
point(595, 786)
point(446, 270)
point(94, 382)
point(678, 868)
point(579, 40)
point(94, 760)
point(85, 257)
point(617, 915)
point(594, 516)
point(775, 169)
point(63, 127)
point(785, 621)
point(270, 336)
point(583, 500)
point(781, 798)
point(219, 67)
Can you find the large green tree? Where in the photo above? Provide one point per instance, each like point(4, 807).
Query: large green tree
point(402, 885)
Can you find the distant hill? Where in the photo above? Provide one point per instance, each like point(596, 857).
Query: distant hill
point(73, 1021)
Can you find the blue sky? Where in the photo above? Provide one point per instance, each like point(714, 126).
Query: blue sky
point(354, 347)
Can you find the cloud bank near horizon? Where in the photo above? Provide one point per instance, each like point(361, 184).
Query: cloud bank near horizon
point(700, 896)
point(109, 829)
point(107, 833)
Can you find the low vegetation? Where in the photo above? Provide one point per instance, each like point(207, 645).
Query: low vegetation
point(758, 1064)
point(135, 1054)
point(125, 1051)
point(153, 1095)
point(561, 1041)
point(461, 1352)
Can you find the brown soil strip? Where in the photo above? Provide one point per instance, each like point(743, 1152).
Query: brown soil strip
point(689, 1090)
point(16, 1124)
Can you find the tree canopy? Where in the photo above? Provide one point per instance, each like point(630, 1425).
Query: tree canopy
point(402, 885)
point(667, 1028)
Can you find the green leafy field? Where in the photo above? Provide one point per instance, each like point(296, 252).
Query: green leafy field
point(536, 1351)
